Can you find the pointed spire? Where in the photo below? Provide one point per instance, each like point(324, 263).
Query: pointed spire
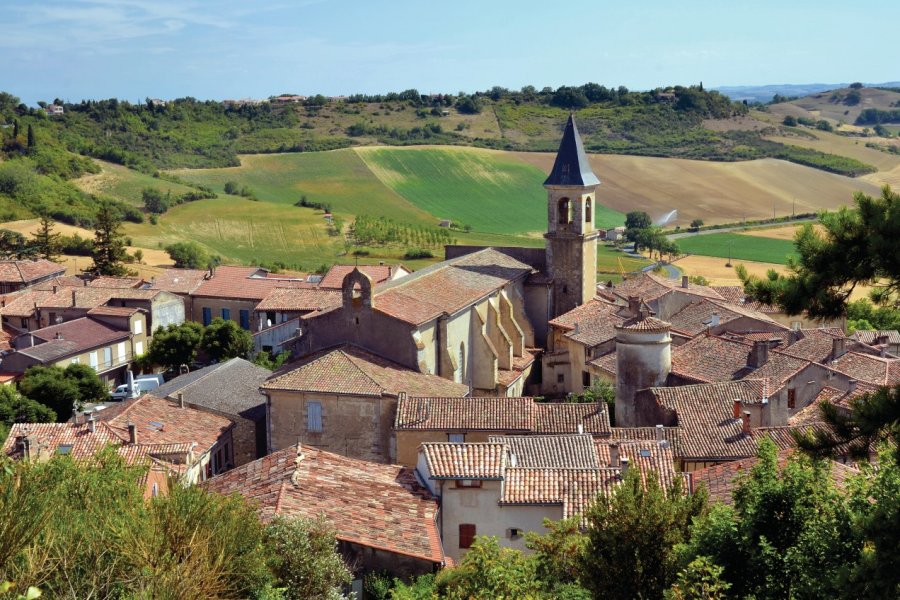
point(571, 166)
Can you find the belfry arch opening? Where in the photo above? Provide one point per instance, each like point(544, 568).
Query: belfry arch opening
point(588, 214)
point(564, 211)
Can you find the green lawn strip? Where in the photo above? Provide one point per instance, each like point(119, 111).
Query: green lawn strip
point(740, 247)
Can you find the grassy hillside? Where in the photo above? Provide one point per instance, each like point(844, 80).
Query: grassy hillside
point(126, 184)
point(840, 105)
point(739, 247)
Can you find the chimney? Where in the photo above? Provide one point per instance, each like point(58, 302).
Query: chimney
point(92, 424)
point(75, 416)
point(851, 385)
point(25, 445)
point(58, 336)
point(401, 397)
point(634, 305)
point(624, 463)
point(795, 336)
point(685, 280)
point(614, 455)
point(132, 433)
point(737, 408)
point(745, 425)
point(714, 322)
point(55, 288)
point(660, 433)
point(838, 347)
point(73, 297)
point(513, 461)
point(759, 355)
point(580, 428)
point(181, 399)
point(577, 329)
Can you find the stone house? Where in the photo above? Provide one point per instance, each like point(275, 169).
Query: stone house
point(229, 389)
point(422, 420)
point(334, 278)
point(344, 400)
point(107, 339)
point(385, 520)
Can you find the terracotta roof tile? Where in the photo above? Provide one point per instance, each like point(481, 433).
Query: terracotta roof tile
point(448, 460)
point(26, 271)
point(448, 286)
point(22, 304)
point(573, 489)
point(550, 451)
point(75, 336)
point(161, 421)
point(370, 504)
point(649, 287)
point(815, 345)
point(696, 317)
point(723, 479)
point(711, 358)
point(499, 414)
point(349, 369)
point(179, 281)
point(300, 299)
point(647, 324)
point(245, 283)
point(116, 282)
point(873, 369)
point(592, 323)
point(872, 338)
point(735, 295)
point(334, 278)
point(88, 297)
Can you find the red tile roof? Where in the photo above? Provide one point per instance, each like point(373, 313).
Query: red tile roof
point(646, 324)
point(592, 323)
point(26, 271)
point(112, 311)
point(450, 460)
point(370, 504)
point(873, 369)
point(161, 421)
point(243, 283)
point(116, 282)
point(573, 489)
point(88, 297)
point(499, 414)
point(709, 358)
point(81, 334)
point(179, 281)
point(723, 479)
point(698, 316)
point(300, 299)
point(574, 451)
point(649, 287)
point(816, 344)
point(334, 278)
point(447, 287)
point(871, 337)
point(735, 295)
point(22, 304)
point(351, 370)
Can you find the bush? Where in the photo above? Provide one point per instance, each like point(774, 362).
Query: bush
point(305, 559)
point(188, 255)
point(415, 253)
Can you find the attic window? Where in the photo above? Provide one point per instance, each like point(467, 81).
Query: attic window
point(157, 424)
point(64, 449)
point(645, 453)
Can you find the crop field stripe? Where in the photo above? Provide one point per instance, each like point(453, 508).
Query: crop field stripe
point(739, 247)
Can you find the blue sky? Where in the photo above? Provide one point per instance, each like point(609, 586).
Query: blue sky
point(133, 49)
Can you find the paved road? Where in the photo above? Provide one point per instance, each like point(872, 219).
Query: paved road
point(675, 236)
point(671, 270)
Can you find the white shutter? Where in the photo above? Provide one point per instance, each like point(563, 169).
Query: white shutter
point(138, 326)
point(138, 348)
point(121, 352)
point(92, 357)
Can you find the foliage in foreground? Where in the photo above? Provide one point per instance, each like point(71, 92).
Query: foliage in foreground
point(84, 530)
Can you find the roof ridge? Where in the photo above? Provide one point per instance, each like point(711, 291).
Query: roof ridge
point(350, 358)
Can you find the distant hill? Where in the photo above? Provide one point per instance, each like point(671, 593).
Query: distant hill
point(765, 93)
point(842, 105)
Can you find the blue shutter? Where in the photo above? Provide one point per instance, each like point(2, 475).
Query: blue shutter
point(245, 319)
point(226, 313)
point(313, 416)
point(207, 316)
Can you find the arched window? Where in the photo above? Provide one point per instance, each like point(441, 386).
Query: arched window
point(587, 211)
point(565, 211)
point(460, 373)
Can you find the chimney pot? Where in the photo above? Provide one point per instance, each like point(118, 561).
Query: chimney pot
point(624, 463)
point(660, 433)
point(737, 408)
point(614, 455)
point(132, 433)
point(55, 288)
point(746, 422)
point(634, 305)
point(715, 319)
point(851, 385)
point(513, 460)
point(181, 399)
point(759, 355)
point(685, 280)
point(581, 428)
point(73, 295)
point(838, 347)
point(92, 424)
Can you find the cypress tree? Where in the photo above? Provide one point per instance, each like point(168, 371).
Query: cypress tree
point(31, 141)
point(15, 129)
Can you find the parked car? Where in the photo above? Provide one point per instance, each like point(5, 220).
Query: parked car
point(141, 386)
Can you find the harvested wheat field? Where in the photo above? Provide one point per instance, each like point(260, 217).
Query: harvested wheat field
point(714, 269)
point(716, 192)
point(786, 232)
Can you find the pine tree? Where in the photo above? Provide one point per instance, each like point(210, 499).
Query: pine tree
point(46, 240)
point(31, 140)
point(109, 242)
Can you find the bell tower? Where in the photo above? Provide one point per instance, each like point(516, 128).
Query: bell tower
point(571, 237)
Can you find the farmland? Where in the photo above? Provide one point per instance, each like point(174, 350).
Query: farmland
point(739, 247)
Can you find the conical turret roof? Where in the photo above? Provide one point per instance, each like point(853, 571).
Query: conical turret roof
point(571, 166)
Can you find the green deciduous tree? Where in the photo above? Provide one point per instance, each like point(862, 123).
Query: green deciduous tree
point(789, 534)
point(90, 387)
point(176, 345)
point(225, 339)
point(305, 558)
point(700, 580)
point(632, 535)
point(14, 246)
point(49, 386)
point(155, 201)
point(188, 255)
point(16, 408)
point(488, 571)
point(109, 242)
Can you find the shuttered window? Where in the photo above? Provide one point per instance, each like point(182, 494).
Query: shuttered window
point(313, 416)
point(92, 357)
point(121, 352)
point(226, 314)
point(466, 535)
point(245, 319)
point(207, 316)
point(107, 358)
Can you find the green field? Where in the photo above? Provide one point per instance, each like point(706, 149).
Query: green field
point(126, 184)
point(740, 247)
point(490, 191)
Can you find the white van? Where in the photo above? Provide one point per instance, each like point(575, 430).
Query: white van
point(142, 385)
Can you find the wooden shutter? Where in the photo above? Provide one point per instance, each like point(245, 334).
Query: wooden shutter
point(314, 416)
point(466, 535)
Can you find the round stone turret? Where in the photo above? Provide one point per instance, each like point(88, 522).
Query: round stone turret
point(643, 360)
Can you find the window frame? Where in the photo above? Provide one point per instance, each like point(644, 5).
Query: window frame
point(467, 533)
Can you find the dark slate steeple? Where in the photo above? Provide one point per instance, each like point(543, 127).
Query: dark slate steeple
point(571, 166)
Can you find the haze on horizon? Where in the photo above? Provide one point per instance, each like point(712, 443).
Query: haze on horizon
point(133, 49)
